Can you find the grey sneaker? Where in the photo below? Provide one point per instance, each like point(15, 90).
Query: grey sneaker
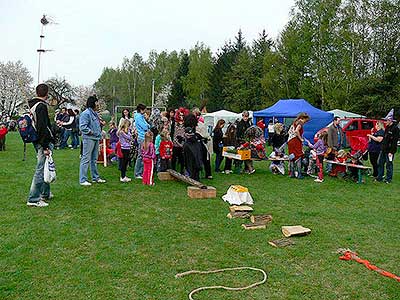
point(40, 203)
point(51, 196)
point(99, 180)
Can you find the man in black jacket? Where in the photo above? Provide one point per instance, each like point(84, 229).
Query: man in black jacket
point(40, 190)
point(242, 126)
point(389, 148)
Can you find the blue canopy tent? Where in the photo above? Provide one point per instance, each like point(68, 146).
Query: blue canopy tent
point(290, 108)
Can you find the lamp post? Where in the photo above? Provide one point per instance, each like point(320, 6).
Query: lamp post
point(152, 94)
point(44, 21)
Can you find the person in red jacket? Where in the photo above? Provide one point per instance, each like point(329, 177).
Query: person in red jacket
point(166, 147)
point(3, 132)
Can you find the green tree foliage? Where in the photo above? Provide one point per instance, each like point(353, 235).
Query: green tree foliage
point(197, 81)
point(178, 96)
point(335, 53)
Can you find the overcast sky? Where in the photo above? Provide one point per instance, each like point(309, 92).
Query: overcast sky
point(93, 34)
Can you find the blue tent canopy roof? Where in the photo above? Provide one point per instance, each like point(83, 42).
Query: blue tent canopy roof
point(290, 108)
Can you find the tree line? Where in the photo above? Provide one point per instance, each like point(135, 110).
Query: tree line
point(334, 53)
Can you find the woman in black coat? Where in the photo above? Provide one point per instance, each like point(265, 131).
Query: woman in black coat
point(218, 136)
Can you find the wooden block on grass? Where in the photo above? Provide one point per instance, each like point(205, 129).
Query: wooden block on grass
point(198, 193)
point(165, 176)
point(261, 219)
point(252, 226)
point(280, 243)
point(238, 215)
point(235, 208)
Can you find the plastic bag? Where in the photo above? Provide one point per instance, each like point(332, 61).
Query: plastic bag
point(49, 169)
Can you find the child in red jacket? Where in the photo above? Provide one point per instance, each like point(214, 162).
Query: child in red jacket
point(166, 147)
point(3, 132)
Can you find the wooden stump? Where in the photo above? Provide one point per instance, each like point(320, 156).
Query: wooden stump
point(197, 193)
point(165, 176)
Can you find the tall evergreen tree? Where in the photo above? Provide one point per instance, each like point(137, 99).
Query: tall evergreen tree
point(178, 96)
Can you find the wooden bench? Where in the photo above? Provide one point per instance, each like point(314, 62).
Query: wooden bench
point(359, 167)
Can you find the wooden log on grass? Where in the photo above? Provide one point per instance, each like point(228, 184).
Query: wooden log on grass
point(252, 226)
point(283, 242)
point(199, 193)
point(165, 176)
point(235, 208)
point(238, 215)
point(187, 179)
point(261, 219)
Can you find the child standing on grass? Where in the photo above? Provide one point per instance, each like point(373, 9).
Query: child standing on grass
point(320, 148)
point(166, 147)
point(113, 135)
point(157, 143)
point(3, 132)
point(125, 138)
point(149, 156)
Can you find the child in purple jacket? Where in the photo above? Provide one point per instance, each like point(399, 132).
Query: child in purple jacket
point(125, 137)
point(320, 148)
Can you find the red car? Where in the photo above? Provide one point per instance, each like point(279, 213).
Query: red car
point(352, 127)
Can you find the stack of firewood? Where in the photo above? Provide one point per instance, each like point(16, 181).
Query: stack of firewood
point(245, 212)
point(261, 222)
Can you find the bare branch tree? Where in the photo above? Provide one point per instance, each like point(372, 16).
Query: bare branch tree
point(15, 87)
point(61, 91)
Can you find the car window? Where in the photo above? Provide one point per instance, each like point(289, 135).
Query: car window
point(353, 126)
point(367, 125)
point(343, 123)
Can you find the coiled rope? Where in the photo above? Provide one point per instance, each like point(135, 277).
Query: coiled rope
point(221, 286)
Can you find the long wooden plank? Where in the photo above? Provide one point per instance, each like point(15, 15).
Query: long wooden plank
point(347, 164)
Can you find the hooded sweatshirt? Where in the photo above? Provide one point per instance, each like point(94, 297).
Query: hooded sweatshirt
point(42, 122)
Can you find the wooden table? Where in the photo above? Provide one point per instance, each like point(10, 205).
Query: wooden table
point(359, 167)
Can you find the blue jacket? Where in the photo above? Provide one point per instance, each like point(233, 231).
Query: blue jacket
point(89, 125)
point(141, 126)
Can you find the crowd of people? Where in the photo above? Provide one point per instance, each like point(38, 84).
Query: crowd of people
point(151, 141)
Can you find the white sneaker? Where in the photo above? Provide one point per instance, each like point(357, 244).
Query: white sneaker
point(99, 180)
point(41, 203)
point(319, 180)
point(125, 179)
point(139, 177)
point(86, 183)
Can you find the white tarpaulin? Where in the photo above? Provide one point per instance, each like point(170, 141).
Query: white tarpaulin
point(211, 119)
point(238, 195)
point(345, 114)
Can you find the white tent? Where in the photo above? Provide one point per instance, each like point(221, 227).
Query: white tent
point(345, 114)
point(211, 119)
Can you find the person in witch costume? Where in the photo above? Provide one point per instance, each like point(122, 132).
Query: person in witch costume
point(389, 148)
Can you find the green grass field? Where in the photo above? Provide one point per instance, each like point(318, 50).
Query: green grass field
point(127, 241)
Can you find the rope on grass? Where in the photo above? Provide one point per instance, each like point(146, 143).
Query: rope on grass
point(221, 286)
point(348, 254)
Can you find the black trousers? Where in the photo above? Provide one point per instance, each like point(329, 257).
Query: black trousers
point(206, 161)
point(165, 164)
point(3, 144)
point(228, 164)
point(373, 158)
point(177, 156)
point(124, 162)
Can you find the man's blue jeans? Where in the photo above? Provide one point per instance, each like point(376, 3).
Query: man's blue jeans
point(139, 160)
point(39, 188)
point(90, 153)
point(65, 137)
point(382, 160)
